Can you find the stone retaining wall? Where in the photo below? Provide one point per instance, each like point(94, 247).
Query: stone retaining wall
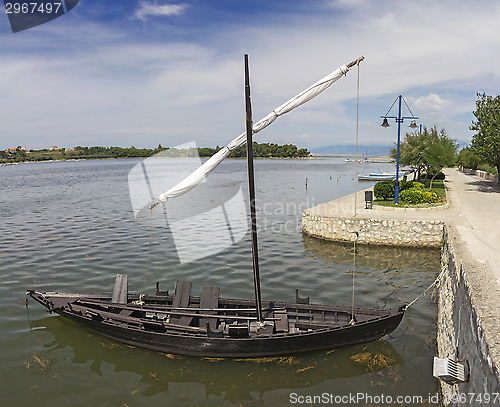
point(468, 312)
point(486, 175)
point(387, 232)
point(460, 330)
point(480, 174)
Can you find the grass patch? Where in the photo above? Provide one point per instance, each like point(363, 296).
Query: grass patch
point(437, 187)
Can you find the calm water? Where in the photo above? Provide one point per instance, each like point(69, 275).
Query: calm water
point(70, 226)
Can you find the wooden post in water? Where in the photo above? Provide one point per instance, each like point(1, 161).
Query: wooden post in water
point(251, 189)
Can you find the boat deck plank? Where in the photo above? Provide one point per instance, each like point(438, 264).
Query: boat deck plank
point(181, 299)
point(281, 324)
point(120, 290)
point(209, 299)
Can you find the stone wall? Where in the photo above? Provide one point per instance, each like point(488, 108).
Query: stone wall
point(480, 174)
point(460, 333)
point(486, 175)
point(388, 232)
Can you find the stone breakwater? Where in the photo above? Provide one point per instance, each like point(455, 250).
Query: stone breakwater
point(388, 232)
point(411, 227)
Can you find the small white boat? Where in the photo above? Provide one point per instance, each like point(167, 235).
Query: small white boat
point(352, 160)
point(380, 176)
point(377, 177)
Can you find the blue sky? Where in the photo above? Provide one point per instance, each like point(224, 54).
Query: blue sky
point(143, 73)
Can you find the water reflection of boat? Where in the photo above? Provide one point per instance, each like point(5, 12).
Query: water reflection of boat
point(246, 375)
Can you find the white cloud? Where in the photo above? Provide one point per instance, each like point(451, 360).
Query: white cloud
point(433, 110)
point(431, 103)
point(124, 90)
point(152, 9)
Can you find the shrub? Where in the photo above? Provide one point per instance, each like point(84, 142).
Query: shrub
point(429, 196)
point(411, 196)
point(418, 195)
point(439, 176)
point(384, 190)
point(405, 185)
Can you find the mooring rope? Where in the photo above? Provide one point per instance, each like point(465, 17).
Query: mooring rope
point(353, 274)
point(356, 151)
point(428, 288)
point(147, 259)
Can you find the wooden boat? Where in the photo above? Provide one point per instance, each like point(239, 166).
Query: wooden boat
point(211, 326)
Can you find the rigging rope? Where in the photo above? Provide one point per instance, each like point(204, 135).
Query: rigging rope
point(353, 273)
point(408, 107)
point(355, 197)
point(147, 259)
point(356, 209)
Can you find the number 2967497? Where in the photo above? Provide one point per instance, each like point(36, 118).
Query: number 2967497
point(34, 8)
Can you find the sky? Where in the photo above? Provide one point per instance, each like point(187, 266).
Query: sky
point(147, 72)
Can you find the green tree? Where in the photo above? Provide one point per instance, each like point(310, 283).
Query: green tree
point(428, 151)
point(467, 158)
point(412, 151)
point(440, 152)
point(303, 152)
point(486, 141)
point(266, 150)
point(207, 151)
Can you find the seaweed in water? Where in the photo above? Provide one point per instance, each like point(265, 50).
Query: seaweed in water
point(373, 361)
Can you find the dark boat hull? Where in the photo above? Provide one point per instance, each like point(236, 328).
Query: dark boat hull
point(105, 319)
point(247, 347)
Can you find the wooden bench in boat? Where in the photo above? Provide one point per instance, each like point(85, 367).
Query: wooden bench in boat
point(281, 324)
point(209, 299)
point(120, 290)
point(181, 300)
point(177, 315)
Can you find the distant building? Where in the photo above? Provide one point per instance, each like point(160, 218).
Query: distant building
point(13, 150)
point(53, 148)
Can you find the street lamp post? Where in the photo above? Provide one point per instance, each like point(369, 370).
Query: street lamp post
point(399, 120)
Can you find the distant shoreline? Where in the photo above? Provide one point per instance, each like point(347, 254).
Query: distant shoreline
point(261, 150)
point(352, 156)
point(311, 157)
point(5, 164)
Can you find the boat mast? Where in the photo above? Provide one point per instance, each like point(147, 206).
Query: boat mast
point(251, 190)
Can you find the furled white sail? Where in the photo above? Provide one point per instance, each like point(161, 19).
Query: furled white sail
point(201, 172)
